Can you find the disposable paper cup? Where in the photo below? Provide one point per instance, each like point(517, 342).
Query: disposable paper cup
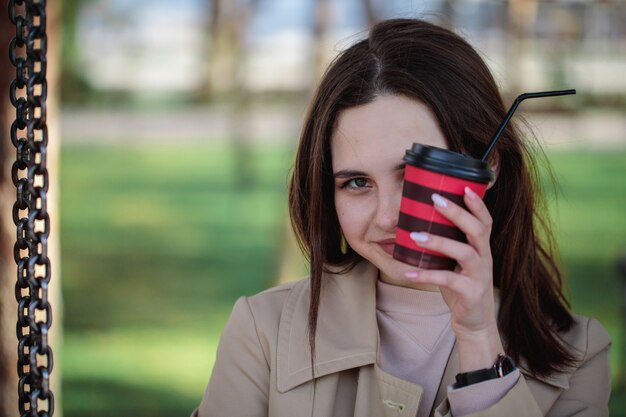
point(432, 170)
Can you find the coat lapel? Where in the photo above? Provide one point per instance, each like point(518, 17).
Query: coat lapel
point(347, 333)
point(448, 378)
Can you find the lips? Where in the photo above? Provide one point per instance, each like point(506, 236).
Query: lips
point(387, 245)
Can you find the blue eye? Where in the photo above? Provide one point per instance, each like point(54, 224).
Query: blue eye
point(360, 182)
point(356, 183)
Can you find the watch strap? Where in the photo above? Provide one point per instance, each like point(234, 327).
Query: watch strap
point(504, 365)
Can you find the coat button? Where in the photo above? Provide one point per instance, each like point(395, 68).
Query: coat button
point(399, 407)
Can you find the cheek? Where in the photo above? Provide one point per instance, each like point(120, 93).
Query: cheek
point(350, 219)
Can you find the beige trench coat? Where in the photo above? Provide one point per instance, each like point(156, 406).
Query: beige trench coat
point(263, 365)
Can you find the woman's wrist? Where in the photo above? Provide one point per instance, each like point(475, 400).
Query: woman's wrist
point(478, 349)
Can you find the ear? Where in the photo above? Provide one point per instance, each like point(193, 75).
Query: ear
point(494, 163)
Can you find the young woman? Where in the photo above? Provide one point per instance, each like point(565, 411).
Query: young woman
point(367, 335)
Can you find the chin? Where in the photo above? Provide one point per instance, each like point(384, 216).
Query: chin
point(394, 269)
point(386, 263)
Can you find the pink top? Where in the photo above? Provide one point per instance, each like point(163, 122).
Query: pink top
point(415, 342)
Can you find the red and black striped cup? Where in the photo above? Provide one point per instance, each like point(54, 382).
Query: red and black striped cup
point(430, 170)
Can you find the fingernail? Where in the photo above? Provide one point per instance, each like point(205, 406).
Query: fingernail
point(419, 237)
point(470, 193)
point(411, 274)
point(439, 201)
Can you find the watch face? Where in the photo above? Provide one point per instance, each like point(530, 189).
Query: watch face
point(505, 365)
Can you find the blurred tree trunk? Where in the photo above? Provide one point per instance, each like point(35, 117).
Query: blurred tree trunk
point(291, 259)
point(371, 12)
point(8, 269)
point(522, 17)
point(321, 25)
point(226, 29)
point(447, 14)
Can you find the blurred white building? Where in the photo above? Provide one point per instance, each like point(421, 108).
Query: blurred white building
point(136, 46)
point(161, 46)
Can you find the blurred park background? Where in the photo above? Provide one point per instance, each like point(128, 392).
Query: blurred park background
point(173, 126)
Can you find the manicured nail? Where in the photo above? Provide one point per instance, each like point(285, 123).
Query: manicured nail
point(411, 274)
point(419, 237)
point(439, 201)
point(470, 193)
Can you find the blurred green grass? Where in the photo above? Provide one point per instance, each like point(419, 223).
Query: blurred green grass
point(158, 242)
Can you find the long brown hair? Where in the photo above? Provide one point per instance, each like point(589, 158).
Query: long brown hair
point(428, 63)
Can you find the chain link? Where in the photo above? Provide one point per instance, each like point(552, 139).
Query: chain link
point(29, 135)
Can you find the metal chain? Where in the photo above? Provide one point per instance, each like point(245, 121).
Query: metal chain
point(29, 134)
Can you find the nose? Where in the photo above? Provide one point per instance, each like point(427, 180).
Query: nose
point(388, 209)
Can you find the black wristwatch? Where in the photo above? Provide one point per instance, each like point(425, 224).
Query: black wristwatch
point(504, 365)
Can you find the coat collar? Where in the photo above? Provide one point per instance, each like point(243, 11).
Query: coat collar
point(347, 332)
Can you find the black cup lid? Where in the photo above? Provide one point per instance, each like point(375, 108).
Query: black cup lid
point(448, 162)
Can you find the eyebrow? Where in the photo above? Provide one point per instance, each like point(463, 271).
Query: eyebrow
point(349, 173)
point(346, 173)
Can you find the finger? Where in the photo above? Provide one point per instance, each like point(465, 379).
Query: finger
point(477, 207)
point(476, 231)
point(463, 253)
point(456, 283)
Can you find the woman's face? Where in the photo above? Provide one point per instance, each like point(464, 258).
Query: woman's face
point(367, 147)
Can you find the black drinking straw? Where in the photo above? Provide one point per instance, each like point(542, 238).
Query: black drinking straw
point(516, 103)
